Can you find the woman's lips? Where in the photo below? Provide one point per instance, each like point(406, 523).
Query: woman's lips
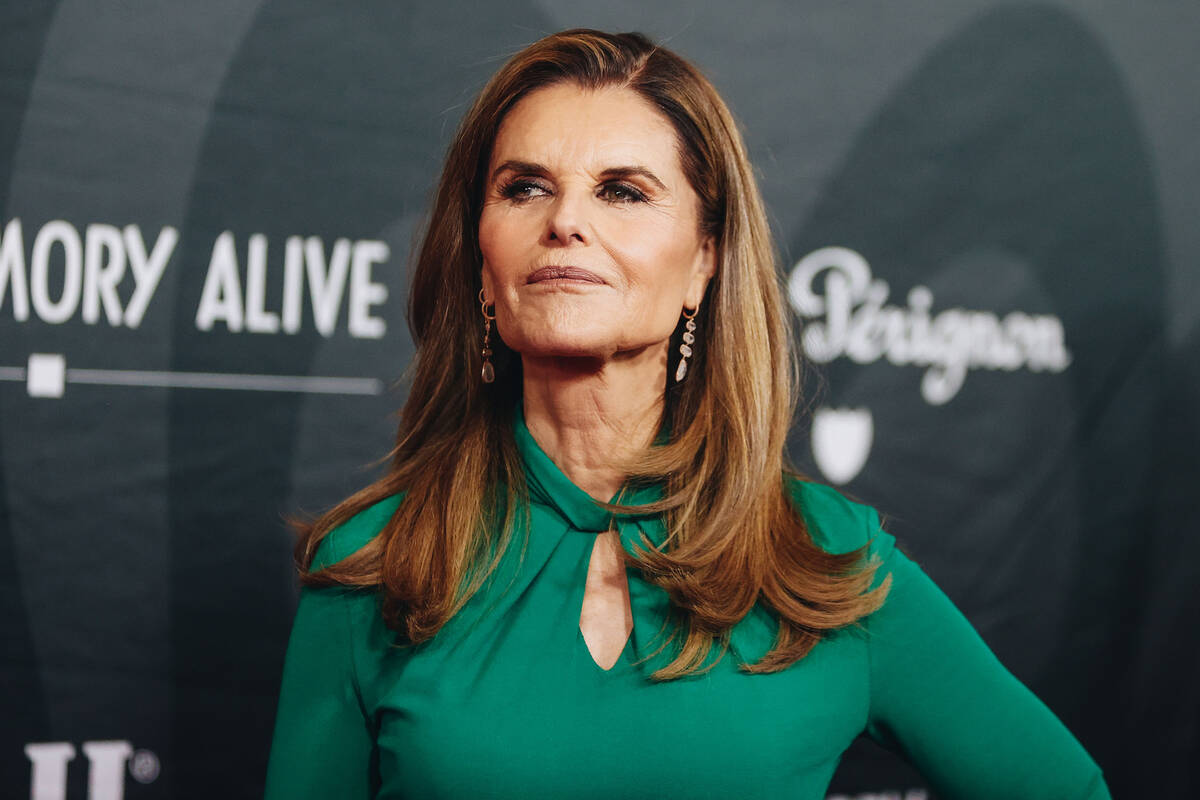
point(563, 274)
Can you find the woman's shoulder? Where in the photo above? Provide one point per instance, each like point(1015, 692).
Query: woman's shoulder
point(350, 536)
point(836, 523)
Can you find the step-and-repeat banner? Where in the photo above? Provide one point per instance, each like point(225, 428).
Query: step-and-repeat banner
point(987, 220)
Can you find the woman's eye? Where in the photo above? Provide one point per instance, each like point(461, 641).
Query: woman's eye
point(523, 190)
point(620, 193)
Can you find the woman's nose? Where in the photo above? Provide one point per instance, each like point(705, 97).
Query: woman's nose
point(568, 221)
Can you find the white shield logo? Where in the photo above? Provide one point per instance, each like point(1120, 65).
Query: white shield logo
point(841, 441)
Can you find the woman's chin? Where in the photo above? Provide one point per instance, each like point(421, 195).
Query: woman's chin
point(593, 343)
point(584, 351)
point(570, 345)
point(590, 356)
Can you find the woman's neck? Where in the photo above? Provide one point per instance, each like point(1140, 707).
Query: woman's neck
point(590, 416)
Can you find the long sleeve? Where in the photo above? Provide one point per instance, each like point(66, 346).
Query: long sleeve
point(941, 698)
point(323, 745)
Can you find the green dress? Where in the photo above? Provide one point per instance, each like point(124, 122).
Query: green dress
point(506, 701)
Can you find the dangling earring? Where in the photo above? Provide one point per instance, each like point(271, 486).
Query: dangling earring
point(489, 373)
point(689, 338)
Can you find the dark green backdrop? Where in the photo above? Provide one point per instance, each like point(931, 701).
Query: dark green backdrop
point(1006, 341)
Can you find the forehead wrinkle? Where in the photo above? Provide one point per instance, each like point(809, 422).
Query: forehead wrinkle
point(559, 137)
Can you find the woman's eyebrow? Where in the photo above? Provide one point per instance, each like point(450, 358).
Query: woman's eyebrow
point(532, 168)
point(523, 167)
point(625, 172)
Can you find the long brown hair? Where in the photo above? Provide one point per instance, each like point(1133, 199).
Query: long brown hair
point(735, 538)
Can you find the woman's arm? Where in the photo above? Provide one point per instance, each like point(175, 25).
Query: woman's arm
point(323, 745)
point(941, 698)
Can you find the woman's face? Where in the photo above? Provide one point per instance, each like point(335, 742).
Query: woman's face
point(589, 229)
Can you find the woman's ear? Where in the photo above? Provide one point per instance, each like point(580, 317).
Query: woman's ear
point(703, 269)
point(489, 291)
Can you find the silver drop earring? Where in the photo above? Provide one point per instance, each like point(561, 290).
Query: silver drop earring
point(685, 349)
point(488, 373)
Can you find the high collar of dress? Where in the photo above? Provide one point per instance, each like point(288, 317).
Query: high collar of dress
point(550, 488)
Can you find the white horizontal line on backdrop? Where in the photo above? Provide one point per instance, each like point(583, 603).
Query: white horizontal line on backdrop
point(212, 380)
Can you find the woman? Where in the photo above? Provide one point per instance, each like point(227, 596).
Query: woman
point(597, 316)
